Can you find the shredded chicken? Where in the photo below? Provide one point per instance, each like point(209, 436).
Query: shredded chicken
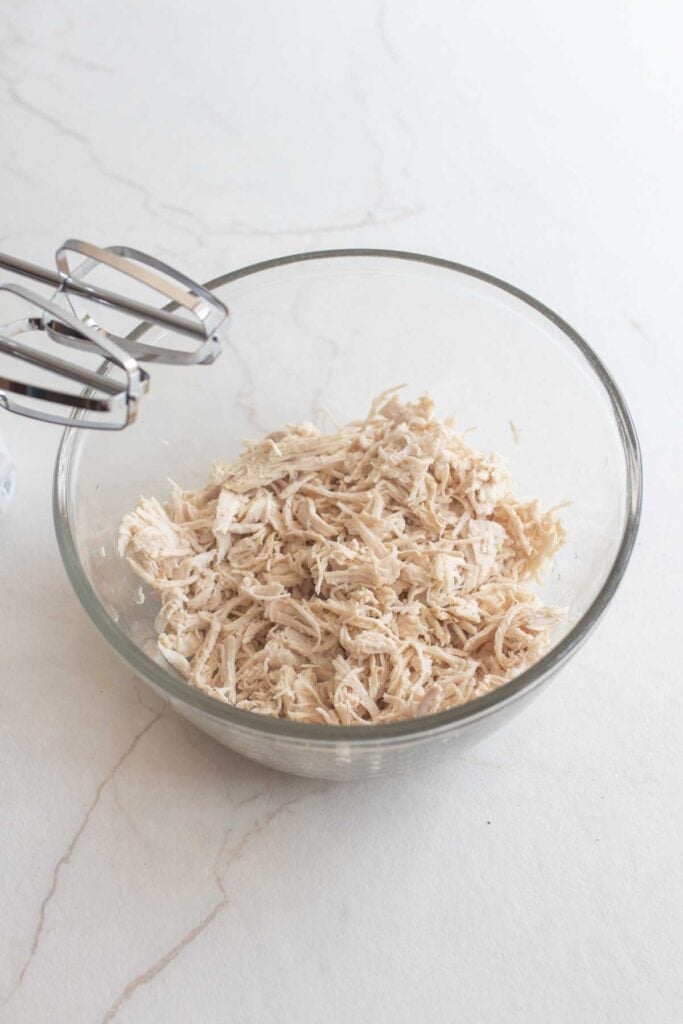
point(375, 574)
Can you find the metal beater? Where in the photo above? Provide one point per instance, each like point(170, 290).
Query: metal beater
point(189, 334)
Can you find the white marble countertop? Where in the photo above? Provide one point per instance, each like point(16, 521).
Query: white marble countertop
point(146, 874)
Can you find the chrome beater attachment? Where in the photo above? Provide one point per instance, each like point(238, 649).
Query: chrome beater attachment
point(187, 333)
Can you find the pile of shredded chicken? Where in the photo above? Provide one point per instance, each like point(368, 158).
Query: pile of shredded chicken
point(375, 574)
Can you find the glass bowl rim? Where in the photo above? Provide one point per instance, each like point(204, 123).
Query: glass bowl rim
point(179, 690)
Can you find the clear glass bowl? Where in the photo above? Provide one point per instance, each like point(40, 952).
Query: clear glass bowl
point(333, 329)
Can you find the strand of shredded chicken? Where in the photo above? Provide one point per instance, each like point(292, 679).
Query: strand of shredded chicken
point(375, 574)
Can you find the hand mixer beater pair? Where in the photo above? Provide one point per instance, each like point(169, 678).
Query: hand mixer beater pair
point(186, 331)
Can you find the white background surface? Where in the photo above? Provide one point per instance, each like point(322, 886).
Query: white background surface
point(145, 873)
